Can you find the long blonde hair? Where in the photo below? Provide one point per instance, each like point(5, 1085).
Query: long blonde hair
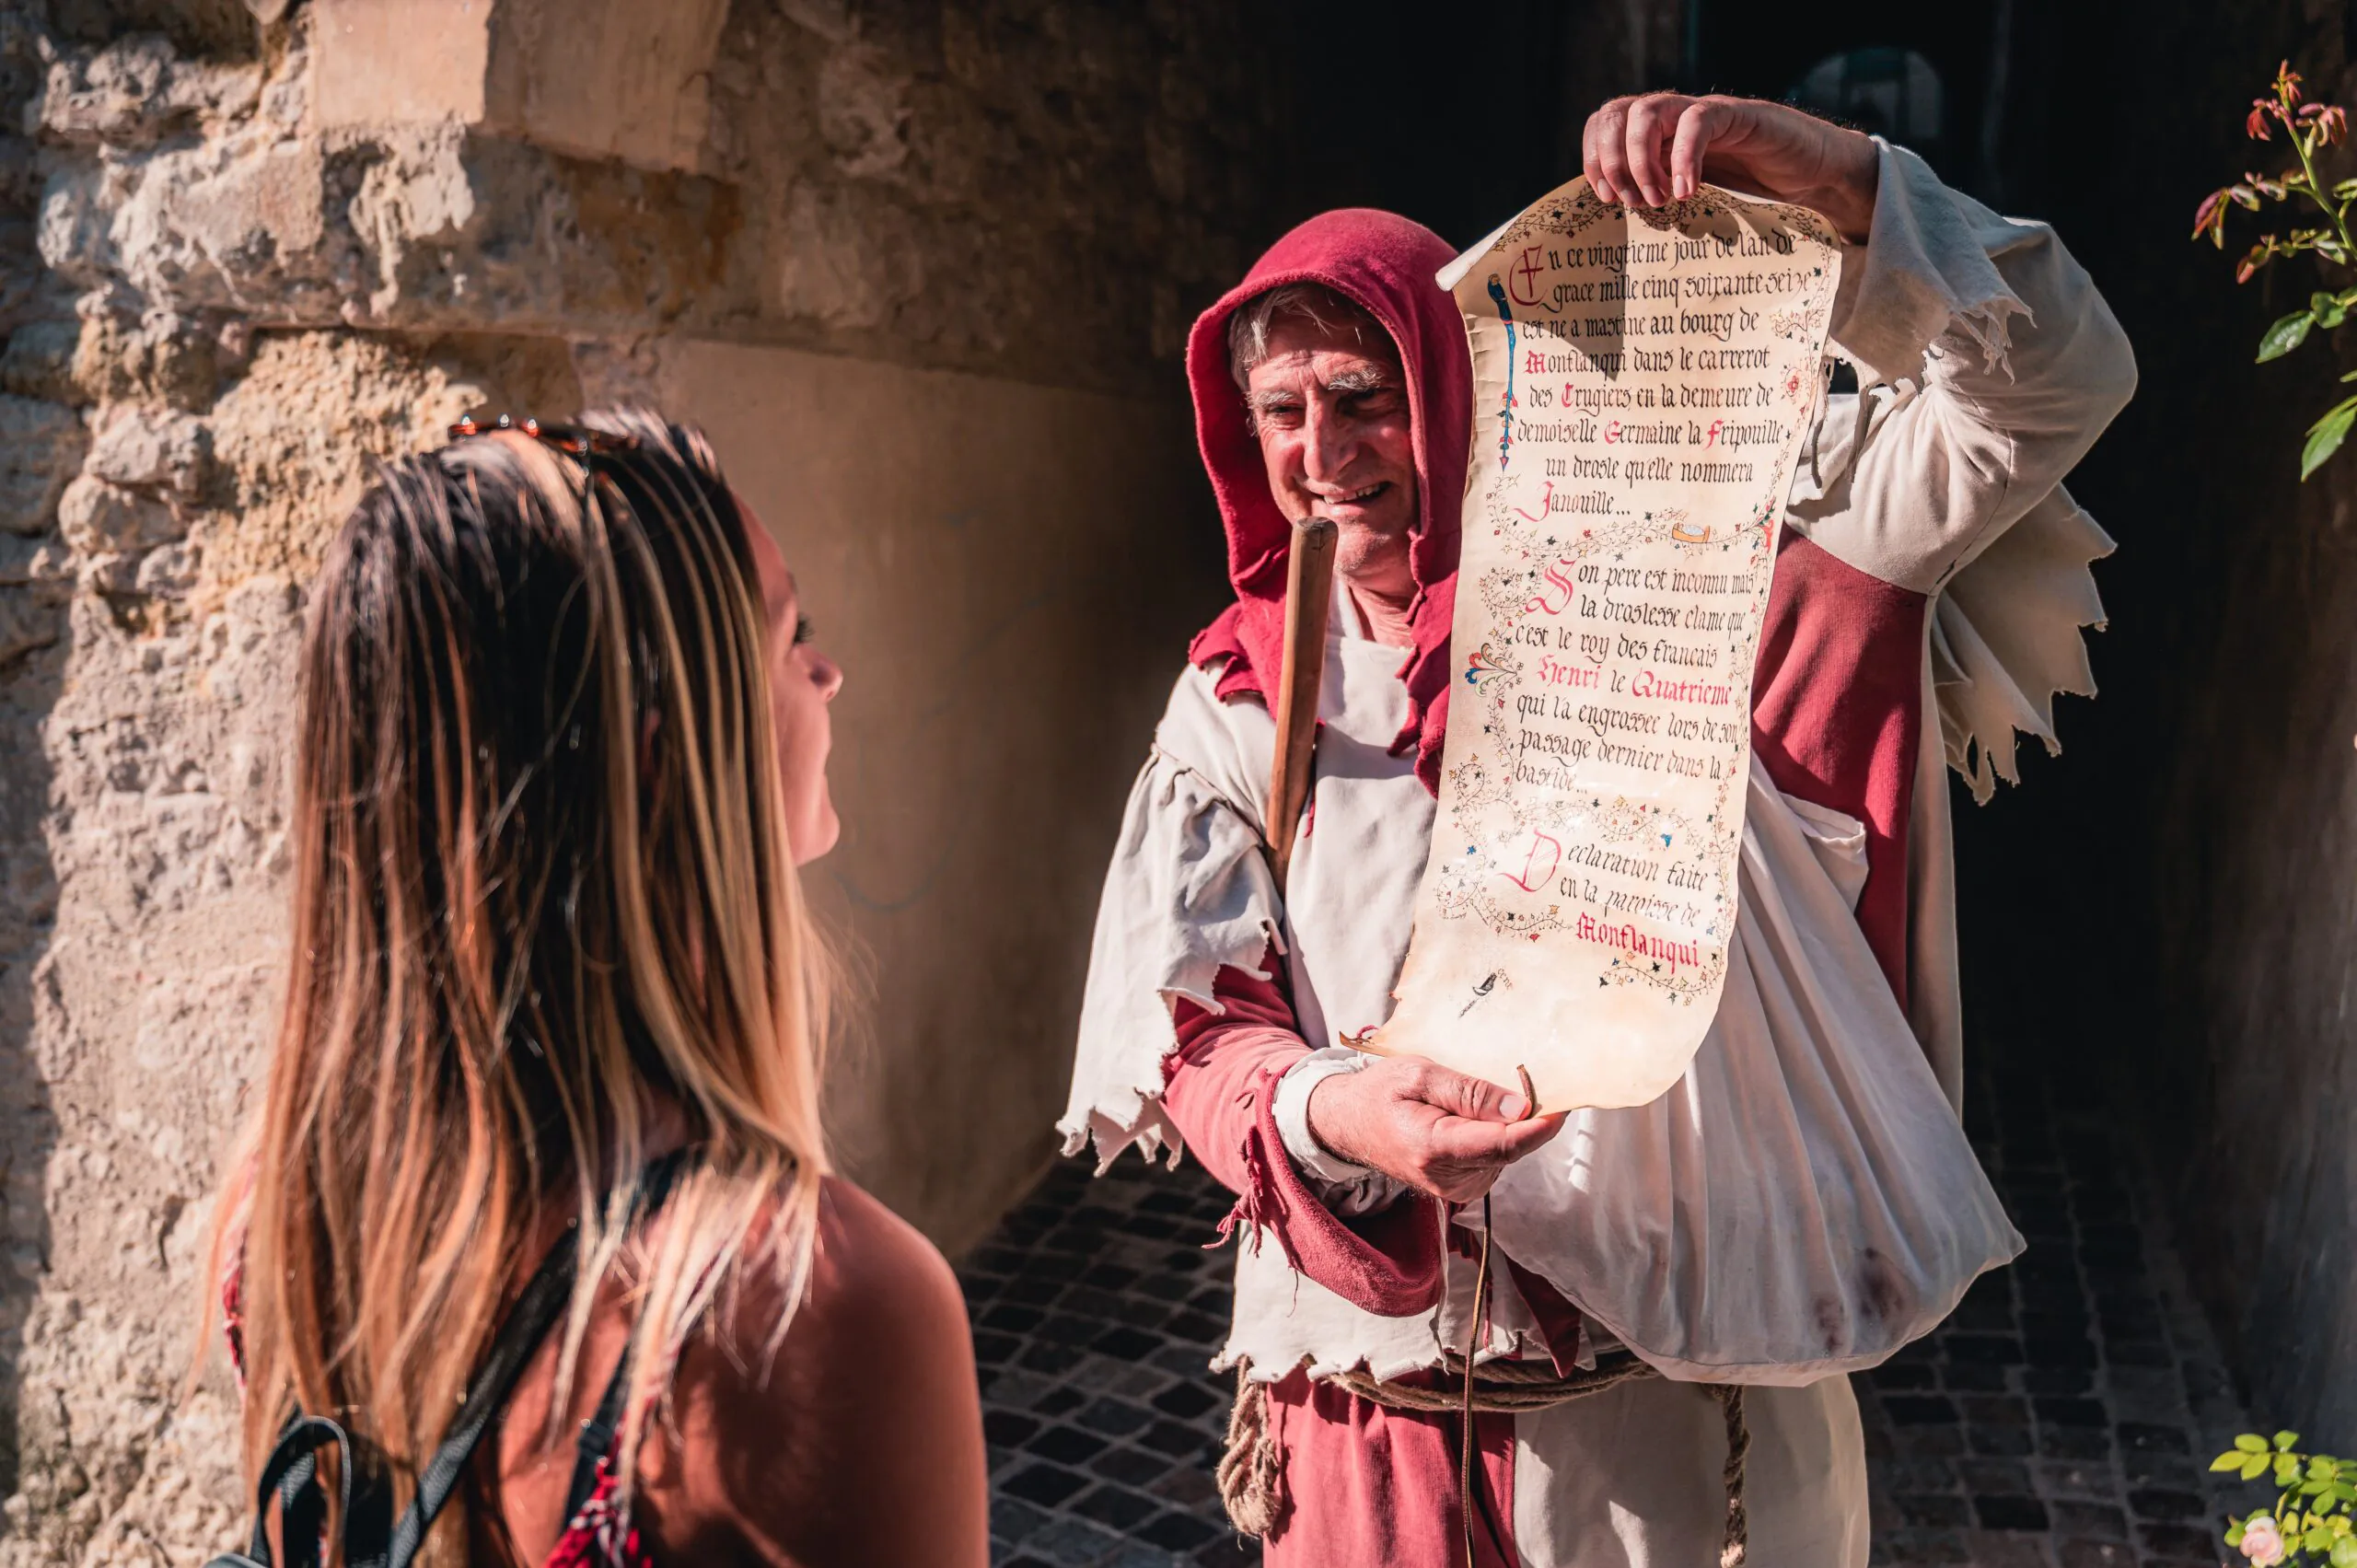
point(542, 887)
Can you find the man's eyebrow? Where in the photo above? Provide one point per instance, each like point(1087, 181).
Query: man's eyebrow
point(1366, 378)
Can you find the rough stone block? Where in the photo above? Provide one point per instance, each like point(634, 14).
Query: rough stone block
point(35, 563)
point(97, 516)
point(151, 447)
point(112, 574)
point(218, 228)
point(41, 447)
point(168, 572)
point(29, 619)
point(134, 90)
point(38, 362)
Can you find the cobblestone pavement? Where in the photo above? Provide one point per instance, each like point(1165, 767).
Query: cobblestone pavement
point(1096, 1311)
point(2065, 1414)
point(2062, 1418)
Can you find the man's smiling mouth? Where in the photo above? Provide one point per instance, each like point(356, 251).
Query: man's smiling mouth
point(1354, 498)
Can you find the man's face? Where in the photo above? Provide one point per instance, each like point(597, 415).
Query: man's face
point(1330, 409)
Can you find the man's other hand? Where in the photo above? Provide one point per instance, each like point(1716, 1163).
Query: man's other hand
point(1440, 1132)
point(1661, 147)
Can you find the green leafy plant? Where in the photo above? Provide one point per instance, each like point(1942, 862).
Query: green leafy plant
point(2310, 1523)
point(2310, 127)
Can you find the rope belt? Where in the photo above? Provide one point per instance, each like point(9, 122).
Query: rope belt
point(1498, 1386)
point(1251, 1469)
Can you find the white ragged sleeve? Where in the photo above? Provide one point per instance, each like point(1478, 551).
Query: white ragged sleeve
point(1927, 271)
point(1988, 364)
point(2006, 639)
point(1189, 890)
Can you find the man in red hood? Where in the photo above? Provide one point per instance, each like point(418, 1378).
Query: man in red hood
point(1679, 1286)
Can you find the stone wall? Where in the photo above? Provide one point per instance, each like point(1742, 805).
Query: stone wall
point(921, 267)
point(2175, 894)
point(2257, 868)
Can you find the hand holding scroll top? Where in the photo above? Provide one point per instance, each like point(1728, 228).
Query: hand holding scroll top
point(1443, 1132)
point(1658, 148)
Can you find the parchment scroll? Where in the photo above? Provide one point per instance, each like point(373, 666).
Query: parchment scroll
point(1643, 384)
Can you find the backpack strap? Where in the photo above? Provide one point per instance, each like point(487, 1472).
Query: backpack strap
point(372, 1537)
point(292, 1473)
point(535, 1312)
point(528, 1324)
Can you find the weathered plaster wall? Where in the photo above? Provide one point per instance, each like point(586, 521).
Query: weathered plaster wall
point(921, 267)
point(1002, 601)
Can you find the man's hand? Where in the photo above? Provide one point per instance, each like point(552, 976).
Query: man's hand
point(1649, 151)
point(1436, 1129)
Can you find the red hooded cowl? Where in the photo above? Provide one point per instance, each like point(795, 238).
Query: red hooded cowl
point(1387, 264)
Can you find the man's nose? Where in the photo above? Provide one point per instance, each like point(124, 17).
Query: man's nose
point(1329, 442)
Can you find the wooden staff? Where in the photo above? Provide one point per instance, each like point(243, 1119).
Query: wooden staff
point(1309, 597)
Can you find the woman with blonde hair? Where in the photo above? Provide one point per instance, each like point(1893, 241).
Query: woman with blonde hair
point(535, 1215)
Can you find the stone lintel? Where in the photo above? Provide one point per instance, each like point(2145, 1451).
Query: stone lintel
point(593, 78)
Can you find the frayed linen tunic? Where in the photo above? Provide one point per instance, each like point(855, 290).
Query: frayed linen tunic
point(1803, 1202)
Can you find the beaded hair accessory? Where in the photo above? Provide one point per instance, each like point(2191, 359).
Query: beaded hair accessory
point(577, 439)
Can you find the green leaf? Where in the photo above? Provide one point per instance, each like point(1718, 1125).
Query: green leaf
point(2232, 1459)
point(2316, 1541)
point(2255, 1466)
point(2235, 1534)
point(2325, 437)
point(2284, 1440)
point(2344, 191)
point(2344, 1552)
point(2251, 1443)
point(2281, 339)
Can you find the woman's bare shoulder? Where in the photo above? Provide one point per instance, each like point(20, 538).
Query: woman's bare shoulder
point(874, 1273)
point(861, 1440)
